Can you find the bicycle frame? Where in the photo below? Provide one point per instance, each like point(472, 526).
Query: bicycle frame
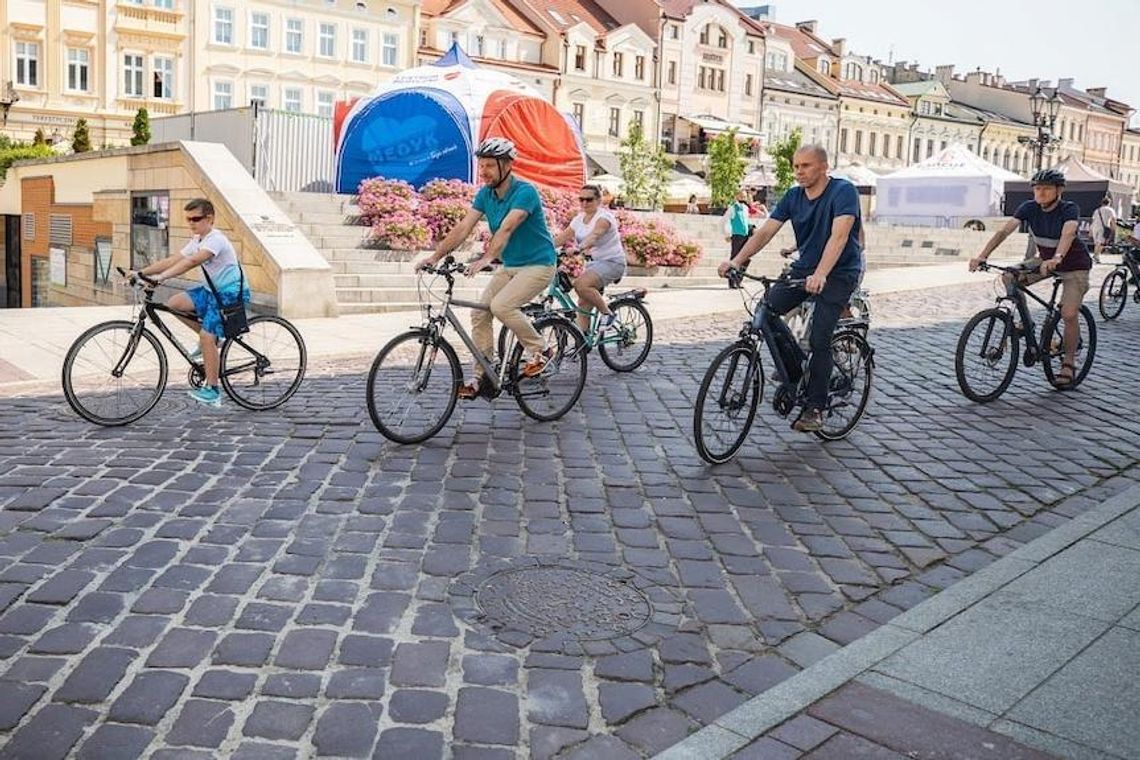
point(567, 307)
point(1016, 293)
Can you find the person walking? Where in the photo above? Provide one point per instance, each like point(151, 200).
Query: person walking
point(1103, 227)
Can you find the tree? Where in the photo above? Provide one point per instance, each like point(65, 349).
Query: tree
point(39, 139)
point(81, 140)
point(644, 170)
point(141, 128)
point(726, 167)
point(783, 151)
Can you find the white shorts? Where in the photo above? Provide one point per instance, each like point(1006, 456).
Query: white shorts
point(608, 271)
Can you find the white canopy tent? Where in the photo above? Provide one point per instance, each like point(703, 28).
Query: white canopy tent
point(609, 182)
point(681, 186)
point(950, 187)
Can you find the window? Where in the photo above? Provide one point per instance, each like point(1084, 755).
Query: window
point(133, 75)
point(751, 47)
point(853, 71)
point(294, 35)
point(615, 122)
point(872, 144)
point(259, 95)
point(701, 76)
point(720, 80)
point(777, 60)
point(617, 64)
point(580, 114)
point(747, 84)
point(292, 99)
point(639, 67)
point(390, 51)
point(224, 26)
point(843, 141)
point(360, 45)
point(163, 78)
point(639, 118)
point(942, 146)
point(477, 44)
point(580, 57)
point(722, 39)
point(223, 95)
point(167, 4)
point(858, 142)
point(929, 148)
point(886, 146)
point(325, 103)
point(327, 41)
point(672, 72)
point(259, 31)
point(675, 32)
point(705, 35)
point(501, 49)
point(899, 147)
point(78, 69)
point(28, 64)
point(825, 67)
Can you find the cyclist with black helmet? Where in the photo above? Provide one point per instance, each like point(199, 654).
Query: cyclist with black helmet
point(1053, 222)
point(520, 239)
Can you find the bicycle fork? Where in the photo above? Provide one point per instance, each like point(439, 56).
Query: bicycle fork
point(129, 352)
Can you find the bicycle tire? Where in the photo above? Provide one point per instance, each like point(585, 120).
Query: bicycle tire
point(631, 320)
point(567, 354)
point(991, 356)
point(89, 368)
point(1086, 347)
point(1113, 294)
point(532, 310)
point(745, 399)
point(251, 363)
point(848, 378)
point(412, 346)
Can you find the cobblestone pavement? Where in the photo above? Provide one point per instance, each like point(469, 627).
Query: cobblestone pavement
point(289, 584)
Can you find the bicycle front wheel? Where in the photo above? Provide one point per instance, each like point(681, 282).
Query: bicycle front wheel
point(1055, 352)
point(113, 375)
point(264, 367)
point(1114, 294)
point(554, 391)
point(850, 388)
point(626, 343)
point(413, 386)
point(727, 401)
point(986, 357)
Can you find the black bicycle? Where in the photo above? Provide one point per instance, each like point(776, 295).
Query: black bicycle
point(988, 349)
point(116, 371)
point(1114, 289)
point(734, 383)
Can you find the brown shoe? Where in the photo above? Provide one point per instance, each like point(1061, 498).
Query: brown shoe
point(537, 364)
point(470, 391)
point(809, 421)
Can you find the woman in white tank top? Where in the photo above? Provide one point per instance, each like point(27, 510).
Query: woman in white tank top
point(595, 230)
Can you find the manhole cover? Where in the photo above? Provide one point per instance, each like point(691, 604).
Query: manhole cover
point(568, 606)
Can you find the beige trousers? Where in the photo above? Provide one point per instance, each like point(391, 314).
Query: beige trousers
point(509, 290)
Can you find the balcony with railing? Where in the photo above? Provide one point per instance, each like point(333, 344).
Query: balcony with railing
point(150, 20)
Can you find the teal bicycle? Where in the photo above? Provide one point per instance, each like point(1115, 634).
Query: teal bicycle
point(623, 346)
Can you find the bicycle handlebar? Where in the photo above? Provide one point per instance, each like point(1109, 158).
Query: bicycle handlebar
point(138, 277)
point(448, 266)
point(735, 276)
point(1017, 269)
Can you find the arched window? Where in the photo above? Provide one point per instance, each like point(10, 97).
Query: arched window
point(986, 152)
point(705, 34)
point(825, 67)
point(874, 76)
point(722, 38)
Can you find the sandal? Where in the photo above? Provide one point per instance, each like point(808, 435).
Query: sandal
point(1065, 377)
point(473, 389)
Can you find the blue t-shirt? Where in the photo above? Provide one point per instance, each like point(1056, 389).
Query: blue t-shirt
point(811, 221)
point(739, 218)
point(530, 243)
point(1046, 228)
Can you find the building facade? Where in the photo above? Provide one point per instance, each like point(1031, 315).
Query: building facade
point(796, 96)
point(1130, 161)
point(937, 122)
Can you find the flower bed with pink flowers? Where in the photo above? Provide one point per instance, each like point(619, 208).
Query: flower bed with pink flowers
point(404, 219)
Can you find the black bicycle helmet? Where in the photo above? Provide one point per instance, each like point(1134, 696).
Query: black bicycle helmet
point(1048, 177)
point(496, 147)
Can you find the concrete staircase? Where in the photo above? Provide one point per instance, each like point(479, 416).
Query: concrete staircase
point(371, 280)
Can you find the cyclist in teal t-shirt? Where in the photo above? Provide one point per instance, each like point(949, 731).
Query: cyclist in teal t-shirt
point(521, 239)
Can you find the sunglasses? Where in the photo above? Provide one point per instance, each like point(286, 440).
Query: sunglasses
point(195, 218)
point(587, 199)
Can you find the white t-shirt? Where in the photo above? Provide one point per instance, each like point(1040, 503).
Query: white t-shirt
point(223, 252)
point(1103, 220)
point(608, 247)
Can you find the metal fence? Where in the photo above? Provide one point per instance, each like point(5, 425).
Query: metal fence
point(282, 150)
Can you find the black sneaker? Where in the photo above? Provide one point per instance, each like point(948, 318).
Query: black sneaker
point(809, 421)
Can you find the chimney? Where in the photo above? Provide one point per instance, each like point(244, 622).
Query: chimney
point(974, 77)
point(944, 73)
point(807, 26)
point(1098, 92)
point(1065, 84)
point(839, 44)
point(1032, 83)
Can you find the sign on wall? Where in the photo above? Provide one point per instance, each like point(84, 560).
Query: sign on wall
point(58, 266)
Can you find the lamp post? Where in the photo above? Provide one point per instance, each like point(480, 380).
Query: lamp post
point(1044, 111)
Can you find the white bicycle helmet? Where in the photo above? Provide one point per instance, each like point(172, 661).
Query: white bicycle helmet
point(497, 147)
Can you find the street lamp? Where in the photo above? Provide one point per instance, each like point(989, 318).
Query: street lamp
point(1044, 111)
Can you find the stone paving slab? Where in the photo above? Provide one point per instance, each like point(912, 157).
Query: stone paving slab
point(284, 580)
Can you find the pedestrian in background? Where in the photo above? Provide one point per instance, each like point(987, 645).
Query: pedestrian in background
point(1103, 227)
point(692, 207)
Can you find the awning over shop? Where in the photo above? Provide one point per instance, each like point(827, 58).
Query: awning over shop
point(602, 162)
point(715, 125)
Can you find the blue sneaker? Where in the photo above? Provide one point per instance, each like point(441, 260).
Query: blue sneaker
point(207, 395)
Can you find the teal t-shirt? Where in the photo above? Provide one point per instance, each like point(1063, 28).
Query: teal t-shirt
point(739, 218)
point(530, 244)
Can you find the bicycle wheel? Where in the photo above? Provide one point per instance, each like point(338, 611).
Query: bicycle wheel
point(850, 385)
point(986, 357)
point(727, 401)
point(1114, 294)
point(531, 310)
point(1086, 347)
point(625, 345)
point(112, 376)
point(413, 386)
point(554, 392)
point(264, 367)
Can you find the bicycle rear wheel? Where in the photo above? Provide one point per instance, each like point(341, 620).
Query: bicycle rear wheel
point(850, 385)
point(1055, 353)
point(1114, 293)
point(727, 401)
point(413, 386)
point(557, 388)
point(626, 343)
point(113, 376)
point(986, 357)
point(264, 367)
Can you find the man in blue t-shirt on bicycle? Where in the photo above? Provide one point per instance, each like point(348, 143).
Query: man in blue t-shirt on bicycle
point(825, 216)
point(1053, 222)
point(521, 239)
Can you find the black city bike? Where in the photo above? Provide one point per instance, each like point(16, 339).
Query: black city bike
point(116, 371)
point(988, 349)
point(734, 383)
point(1114, 289)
